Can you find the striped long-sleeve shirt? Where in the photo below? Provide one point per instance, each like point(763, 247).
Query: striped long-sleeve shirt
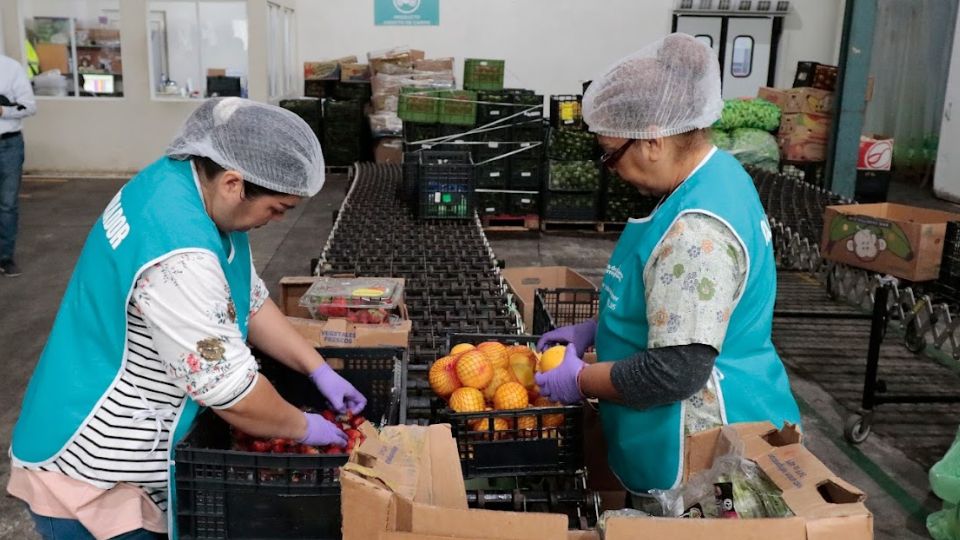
point(182, 343)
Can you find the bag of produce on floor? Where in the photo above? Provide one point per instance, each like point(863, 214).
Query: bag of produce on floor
point(749, 113)
point(945, 483)
point(721, 139)
point(755, 147)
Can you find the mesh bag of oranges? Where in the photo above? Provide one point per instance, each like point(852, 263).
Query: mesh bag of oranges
point(491, 383)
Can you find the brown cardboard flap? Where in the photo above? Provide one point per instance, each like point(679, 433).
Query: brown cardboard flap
point(583, 535)
point(524, 281)
point(366, 507)
point(441, 479)
point(426, 519)
point(846, 528)
point(624, 528)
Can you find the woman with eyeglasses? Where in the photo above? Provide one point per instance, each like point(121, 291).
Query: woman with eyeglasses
point(686, 308)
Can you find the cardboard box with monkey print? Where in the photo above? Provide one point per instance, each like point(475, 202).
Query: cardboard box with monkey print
point(903, 241)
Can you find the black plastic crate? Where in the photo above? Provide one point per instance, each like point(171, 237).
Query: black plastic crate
point(553, 308)
point(491, 202)
point(569, 206)
point(352, 91)
point(525, 173)
point(446, 184)
point(413, 132)
point(950, 263)
point(225, 493)
point(411, 171)
point(541, 450)
point(523, 203)
point(493, 105)
point(565, 111)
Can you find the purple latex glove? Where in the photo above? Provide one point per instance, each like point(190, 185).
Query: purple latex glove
point(341, 394)
point(581, 336)
point(321, 432)
point(560, 383)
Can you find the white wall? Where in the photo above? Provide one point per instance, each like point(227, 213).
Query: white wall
point(946, 181)
point(550, 45)
point(183, 55)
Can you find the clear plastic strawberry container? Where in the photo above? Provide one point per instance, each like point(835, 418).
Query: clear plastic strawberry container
point(359, 300)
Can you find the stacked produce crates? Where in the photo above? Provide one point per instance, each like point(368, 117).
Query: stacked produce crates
point(309, 109)
point(621, 201)
point(573, 178)
point(344, 132)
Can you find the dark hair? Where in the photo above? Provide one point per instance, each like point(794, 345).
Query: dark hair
point(210, 169)
point(688, 141)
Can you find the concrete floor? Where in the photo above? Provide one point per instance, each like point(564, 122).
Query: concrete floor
point(57, 215)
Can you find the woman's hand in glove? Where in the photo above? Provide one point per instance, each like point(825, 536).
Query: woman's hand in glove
point(341, 394)
point(581, 336)
point(562, 382)
point(322, 432)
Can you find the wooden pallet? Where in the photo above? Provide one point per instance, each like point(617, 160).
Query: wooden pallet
point(504, 223)
point(556, 225)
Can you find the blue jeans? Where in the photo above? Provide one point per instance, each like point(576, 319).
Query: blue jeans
point(11, 170)
point(70, 529)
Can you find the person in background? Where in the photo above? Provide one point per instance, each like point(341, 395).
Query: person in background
point(683, 337)
point(154, 325)
point(16, 103)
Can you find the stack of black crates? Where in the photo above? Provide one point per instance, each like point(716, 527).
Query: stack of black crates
point(343, 131)
point(573, 176)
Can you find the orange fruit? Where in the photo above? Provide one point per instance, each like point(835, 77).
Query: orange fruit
point(483, 425)
point(443, 376)
point(457, 350)
point(527, 426)
point(500, 376)
point(474, 369)
point(549, 420)
point(467, 399)
point(523, 367)
point(551, 358)
point(510, 395)
point(495, 352)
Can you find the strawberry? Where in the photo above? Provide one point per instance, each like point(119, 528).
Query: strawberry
point(309, 450)
point(356, 421)
point(260, 446)
point(333, 450)
point(329, 415)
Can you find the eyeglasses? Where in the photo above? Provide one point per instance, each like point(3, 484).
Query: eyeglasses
point(610, 159)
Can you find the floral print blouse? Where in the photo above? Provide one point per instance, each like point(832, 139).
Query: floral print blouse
point(692, 283)
point(186, 304)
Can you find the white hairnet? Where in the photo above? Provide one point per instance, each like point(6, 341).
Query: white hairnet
point(667, 88)
point(273, 147)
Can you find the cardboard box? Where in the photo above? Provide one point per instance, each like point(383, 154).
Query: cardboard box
point(774, 95)
point(813, 127)
point(903, 241)
point(388, 150)
point(809, 100)
point(802, 145)
point(407, 484)
point(53, 56)
point(876, 153)
point(435, 65)
point(338, 332)
point(353, 72)
point(328, 70)
point(524, 282)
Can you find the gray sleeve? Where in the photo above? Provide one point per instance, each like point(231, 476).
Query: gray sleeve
point(663, 375)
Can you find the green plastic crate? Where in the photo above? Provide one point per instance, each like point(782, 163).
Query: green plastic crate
point(458, 108)
point(481, 74)
point(419, 105)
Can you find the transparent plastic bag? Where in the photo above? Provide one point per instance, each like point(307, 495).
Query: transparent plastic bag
point(755, 147)
point(359, 300)
point(945, 483)
point(733, 487)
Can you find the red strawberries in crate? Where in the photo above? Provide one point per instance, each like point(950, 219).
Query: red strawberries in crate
point(349, 423)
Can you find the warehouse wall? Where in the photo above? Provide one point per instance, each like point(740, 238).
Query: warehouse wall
point(549, 45)
point(119, 134)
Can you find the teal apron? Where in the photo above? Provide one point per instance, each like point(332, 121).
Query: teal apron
point(645, 447)
point(158, 213)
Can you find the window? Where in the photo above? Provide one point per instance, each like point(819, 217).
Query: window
point(198, 48)
point(281, 51)
point(706, 39)
point(742, 64)
point(73, 48)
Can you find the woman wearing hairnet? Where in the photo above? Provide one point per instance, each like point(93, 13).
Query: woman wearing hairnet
point(686, 307)
point(154, 325)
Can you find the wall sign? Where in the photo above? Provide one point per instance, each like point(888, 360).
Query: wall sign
point(406, 12)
